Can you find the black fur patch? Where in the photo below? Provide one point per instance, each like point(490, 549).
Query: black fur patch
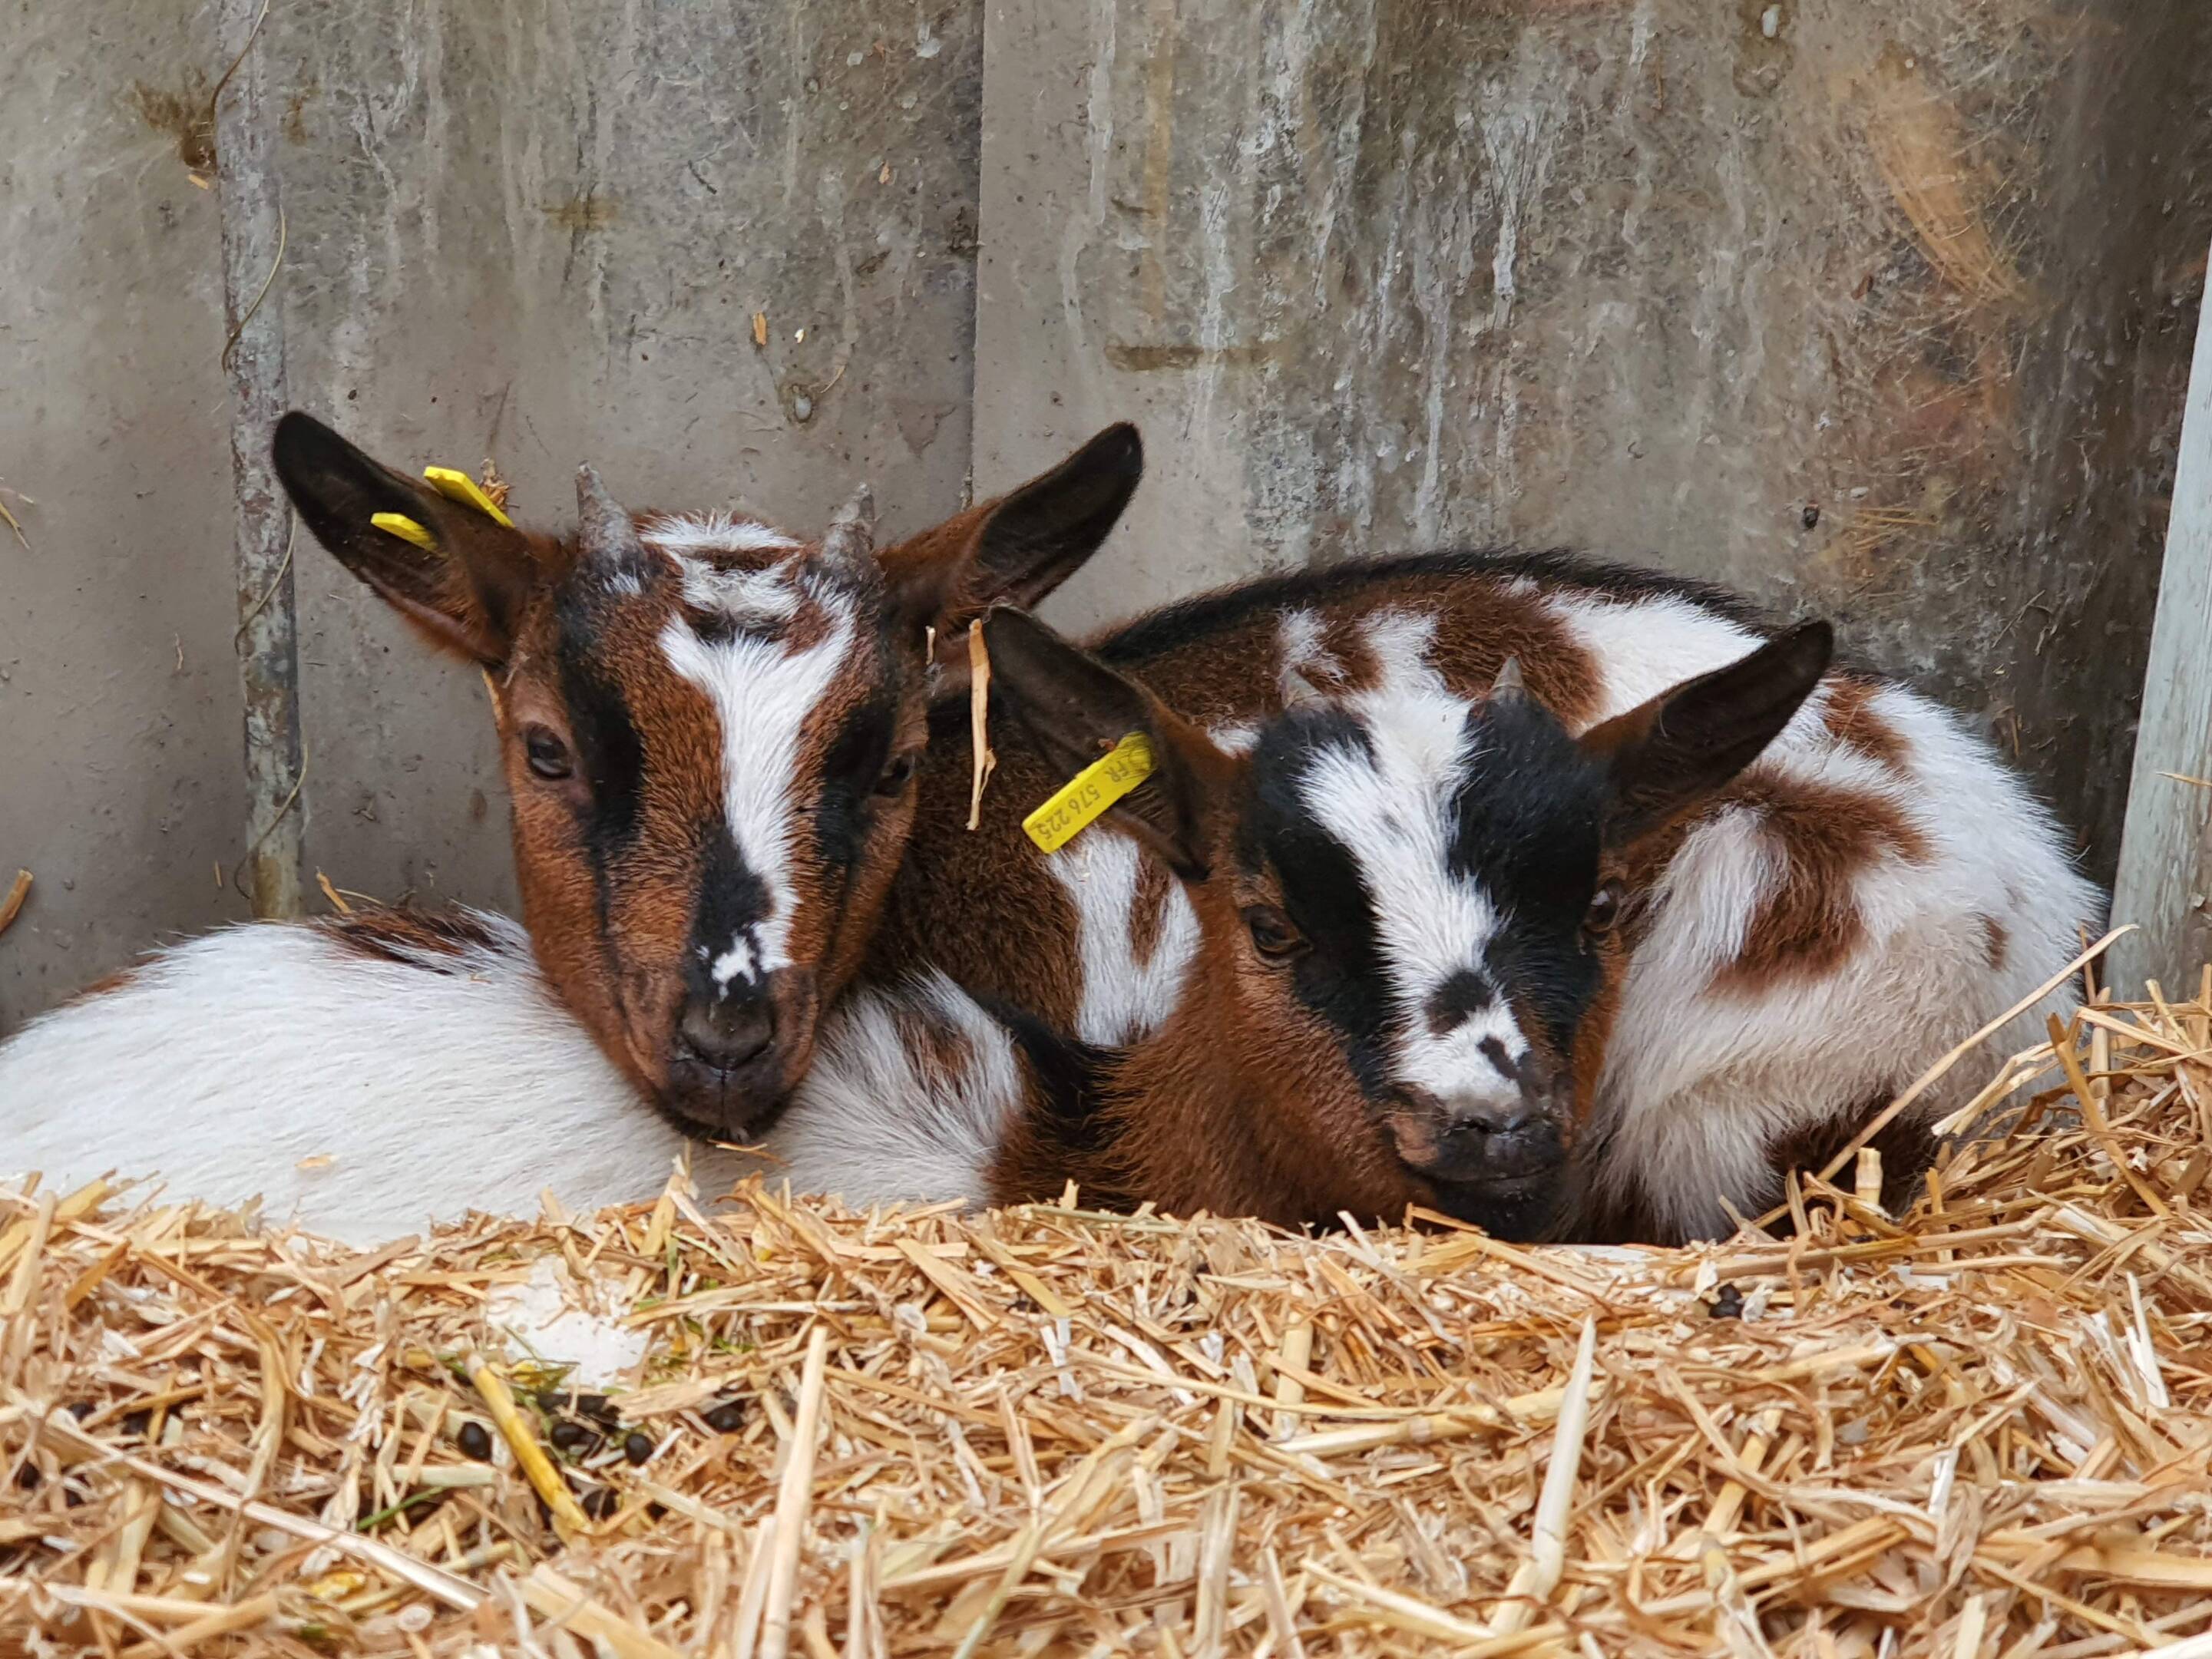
point(1340, 976)
point(1526, 826)
point(734, 901)
point(856, 761)
point(609, 753)
point(1460, 998)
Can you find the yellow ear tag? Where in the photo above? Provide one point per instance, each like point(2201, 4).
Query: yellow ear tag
point(457, 486)
point(399, 524)
point(1089, 792)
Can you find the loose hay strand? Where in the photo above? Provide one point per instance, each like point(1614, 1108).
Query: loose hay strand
point(1977, 1426)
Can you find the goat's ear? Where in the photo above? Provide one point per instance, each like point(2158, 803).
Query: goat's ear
point(465, 591)
point(1672, 754)
point(1017, 549)
point(1075, 709)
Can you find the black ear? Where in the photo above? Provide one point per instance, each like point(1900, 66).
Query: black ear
point(465, 591)
point(1075, 709)
point(1017, 549)
point(1674, 753)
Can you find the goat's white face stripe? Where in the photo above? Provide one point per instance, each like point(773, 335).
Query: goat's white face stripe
point(761, 692)
point(1390, 807)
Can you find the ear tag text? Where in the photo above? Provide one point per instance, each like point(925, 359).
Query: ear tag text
point(399, 524)
point(1089, 792)
point(457, 486)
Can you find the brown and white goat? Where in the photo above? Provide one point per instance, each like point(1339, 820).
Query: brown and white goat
point(1406, 958)
point(1877, 869)
point(709, 728)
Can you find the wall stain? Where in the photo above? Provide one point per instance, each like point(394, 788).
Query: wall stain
point(592, 211)
point(184, 113)
point(1145, 359)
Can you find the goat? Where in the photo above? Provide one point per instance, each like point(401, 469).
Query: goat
point(1876, 870)
point(1405, 904)
point(709, 729)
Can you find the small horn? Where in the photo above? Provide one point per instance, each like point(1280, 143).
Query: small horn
point(1299, 691)
point(851, 538)
point(1509, 682)
point(604, 528)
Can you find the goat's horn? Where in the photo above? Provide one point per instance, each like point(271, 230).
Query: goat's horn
point(604, 527)
point(852, 533)
point(1298, 690)
point(1510, 683)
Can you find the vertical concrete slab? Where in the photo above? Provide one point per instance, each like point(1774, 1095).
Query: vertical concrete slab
point(119, 745)
point(1861, 305)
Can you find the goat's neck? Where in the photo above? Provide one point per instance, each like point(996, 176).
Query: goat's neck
point(1212, 1114)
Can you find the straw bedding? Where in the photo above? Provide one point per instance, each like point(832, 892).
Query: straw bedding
point(1980, 1429)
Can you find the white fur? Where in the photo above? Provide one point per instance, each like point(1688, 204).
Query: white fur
point(1390, 808)
point(359, 1097)
point(756, 598)
point(1701, 1079)
point(877, 1123)
point(712, 532)
point(762, 691)
point(1645, 645)
point(1124, 998)
point(1304, 665)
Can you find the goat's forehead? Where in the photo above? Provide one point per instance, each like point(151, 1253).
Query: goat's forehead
point(1376, 761)
point(1428, 788)
point(736, 585)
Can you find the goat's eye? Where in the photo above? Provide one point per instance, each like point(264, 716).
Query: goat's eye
point(1273, 934)
point(1604, 908)
point(894, 775)
point(548, 756)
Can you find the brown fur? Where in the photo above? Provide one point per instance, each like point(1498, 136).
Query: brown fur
point(1809, 923)
point(399, 933)
point(1996, 942)
point(1851, 719)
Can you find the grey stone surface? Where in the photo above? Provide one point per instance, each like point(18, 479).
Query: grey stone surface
point(1878, 308)
point(120, 782)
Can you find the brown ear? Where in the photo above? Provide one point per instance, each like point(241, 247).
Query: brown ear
point(1674, 753)
point(1074, 709)
point(465, 593)
point(1017, 549)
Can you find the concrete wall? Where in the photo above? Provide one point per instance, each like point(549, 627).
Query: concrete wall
point(535, 233)
point(1879, 307)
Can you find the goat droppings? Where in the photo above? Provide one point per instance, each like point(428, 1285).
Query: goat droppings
point(726, 1419)
point(475, 1442)
point(600, 1503)
point(637, 1447)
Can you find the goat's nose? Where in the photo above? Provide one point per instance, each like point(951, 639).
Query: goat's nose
point(1500, 1137)
point(727, 1034)
point(1492, 1114)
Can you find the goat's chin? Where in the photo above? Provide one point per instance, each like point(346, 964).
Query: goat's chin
point(737, 1108)
point(1519, 1209)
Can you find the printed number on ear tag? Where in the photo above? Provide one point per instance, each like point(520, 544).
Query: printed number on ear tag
point(1089, 792)
point(399, 524)
point(457, 486)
